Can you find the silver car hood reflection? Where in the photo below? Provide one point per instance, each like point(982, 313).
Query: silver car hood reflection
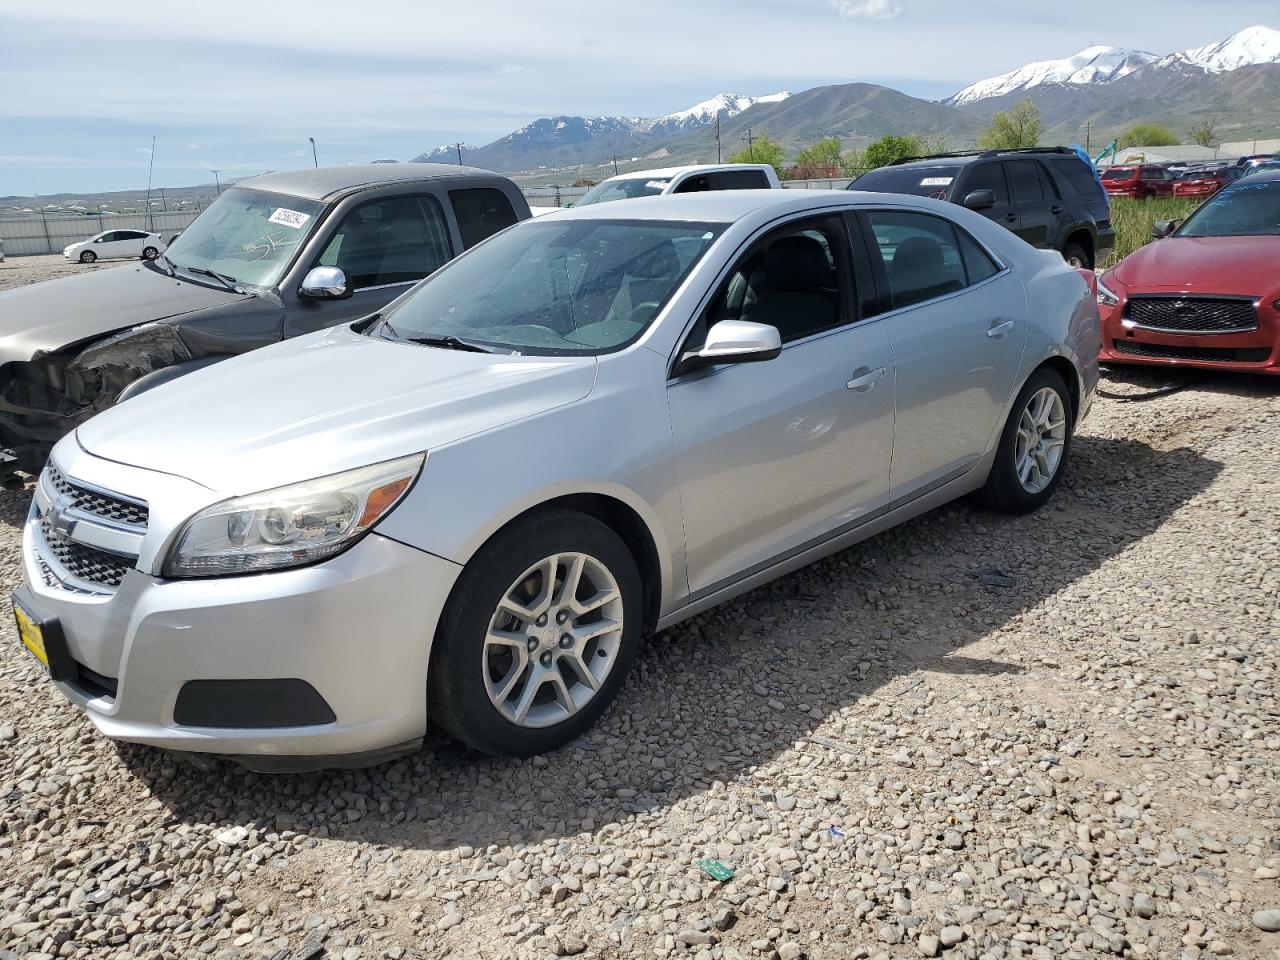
point(324, 403)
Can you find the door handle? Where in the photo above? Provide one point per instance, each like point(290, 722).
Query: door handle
point(864, 379)
point(1056, 208)
point(1011, 216)
point(999, 328)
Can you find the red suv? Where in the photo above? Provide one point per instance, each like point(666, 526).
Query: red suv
point(1146, 180)
point(1205, 183)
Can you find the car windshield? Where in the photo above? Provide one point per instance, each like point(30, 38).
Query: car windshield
point(931, 181)
point(249, 236)
point(1240, 210)
point(1119, 173)
point(565, 287)
point(624, 189)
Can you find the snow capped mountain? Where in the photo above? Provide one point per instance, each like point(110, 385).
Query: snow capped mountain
point(445, 153)
point(1251, 45)
point(724, 105)
point(1092, 65)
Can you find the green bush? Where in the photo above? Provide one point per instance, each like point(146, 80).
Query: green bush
point(1133, 220)
point(1016, 129)
point(763, 149)
point(1148, 135)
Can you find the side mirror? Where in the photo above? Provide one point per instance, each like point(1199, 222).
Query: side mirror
point(1163, 228)
point(325, 283)
point(734, 341)
point(980, 200)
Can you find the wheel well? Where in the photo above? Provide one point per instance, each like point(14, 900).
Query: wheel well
point(626, 523)
point(1063, 368)
point(1084, 240)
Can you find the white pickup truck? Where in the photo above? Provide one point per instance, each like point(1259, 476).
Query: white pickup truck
point(691, 179)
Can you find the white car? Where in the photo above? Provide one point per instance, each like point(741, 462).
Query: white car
point(692, 179)
point(116, 245)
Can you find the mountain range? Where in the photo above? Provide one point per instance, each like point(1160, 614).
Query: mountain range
point(1103, 89)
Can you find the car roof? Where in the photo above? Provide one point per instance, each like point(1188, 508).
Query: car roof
point(960, 161)
point(729, 206)
point(667, 172)
point(321, 183)
point(1265, 176)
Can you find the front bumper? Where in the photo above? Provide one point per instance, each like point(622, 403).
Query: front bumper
point(356, 628)
point(1253, 351)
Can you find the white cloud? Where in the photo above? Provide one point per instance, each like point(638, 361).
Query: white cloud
point(867, 9)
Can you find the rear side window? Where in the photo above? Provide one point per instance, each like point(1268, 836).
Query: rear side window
point(396, 240)
point(739, 180)
point(1076, 175)
point(920, 253)
point(1025, 175)
point(693, 185)
point(987, 176)
point(978, 265)
point(481, 213)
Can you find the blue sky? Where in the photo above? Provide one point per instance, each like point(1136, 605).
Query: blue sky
point(239, 86)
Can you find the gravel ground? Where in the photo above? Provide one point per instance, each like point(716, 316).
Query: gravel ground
point(975, 736)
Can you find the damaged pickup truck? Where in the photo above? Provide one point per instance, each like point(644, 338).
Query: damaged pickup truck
point(273, 257)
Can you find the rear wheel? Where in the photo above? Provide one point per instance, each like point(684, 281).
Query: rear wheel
point(538, 635)
point(1033, 446)
point(88, 256)
point(150, 253)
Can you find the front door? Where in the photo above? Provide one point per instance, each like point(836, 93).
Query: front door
point(957, 321)
point(775, 456)
point(384, 247)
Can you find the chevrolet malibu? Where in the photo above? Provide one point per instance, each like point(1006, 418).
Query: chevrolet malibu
point(474, 505)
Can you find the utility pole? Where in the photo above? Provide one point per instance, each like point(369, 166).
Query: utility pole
point(315, 159)
point(751, 145)
point(1088, 138)
point(150, 168)
point(718, 160)
point(615, 164)
point(459, 146)
point(216, 182)
point(164, 204)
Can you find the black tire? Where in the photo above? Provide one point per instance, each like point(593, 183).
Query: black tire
point(457, 697)
point(1003, 490)
point(1073, 251)
point(87, 256)
point(150, 253)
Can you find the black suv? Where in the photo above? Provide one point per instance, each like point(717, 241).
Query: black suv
point(1048, 196)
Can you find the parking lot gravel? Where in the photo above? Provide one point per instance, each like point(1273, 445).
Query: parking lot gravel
point(975, 736)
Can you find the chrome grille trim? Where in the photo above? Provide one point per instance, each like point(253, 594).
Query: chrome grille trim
point(94, 502)
point(1191, 314)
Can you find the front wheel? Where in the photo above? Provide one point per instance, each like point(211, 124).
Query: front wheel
point(1033, 446)
point(537, 636)
point(88, 256)
point(1076, 257)
point(150, 253)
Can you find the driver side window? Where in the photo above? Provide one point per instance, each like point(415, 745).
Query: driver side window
point(394, 240)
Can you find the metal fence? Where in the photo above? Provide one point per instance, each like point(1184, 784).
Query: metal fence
point(28, 234)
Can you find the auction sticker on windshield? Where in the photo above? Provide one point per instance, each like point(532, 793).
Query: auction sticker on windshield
point(935, 181)
point(289, 218)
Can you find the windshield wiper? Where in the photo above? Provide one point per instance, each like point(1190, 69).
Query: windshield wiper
point(446, 342)
point(228, 282)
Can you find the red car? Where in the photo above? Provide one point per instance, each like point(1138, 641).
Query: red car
point(1145, 180)
point(1205, 183)
point(1205, 295)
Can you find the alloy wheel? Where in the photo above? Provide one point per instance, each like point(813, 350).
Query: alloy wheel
point(1042, 435)
point(553, 640)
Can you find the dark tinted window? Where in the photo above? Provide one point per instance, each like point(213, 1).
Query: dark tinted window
point(1119, 173)
point(109, 237)
point(1026, 181)
point(926, 180)
point(389, 241)
point(795, 279)
point(920, 253)
point(987, 176)
point(481, 213)
point(1076, 175)
point(693, 185)
point(978, 264)
point(739, 180)
point(1046, 184)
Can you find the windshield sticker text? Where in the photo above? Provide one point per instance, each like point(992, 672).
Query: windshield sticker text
point(935, 181)
point(289, 218)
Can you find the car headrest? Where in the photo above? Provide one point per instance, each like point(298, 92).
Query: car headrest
point(656, 262)
point(918, 255)
point(797, 263)
point(407, 230)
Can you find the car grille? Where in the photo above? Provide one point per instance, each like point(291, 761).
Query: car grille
point(101, 504)
point(85, 562)
point(1203, 354)
point(1193, 314)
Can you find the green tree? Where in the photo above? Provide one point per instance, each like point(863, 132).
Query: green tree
point(887, 149)
point(824, 153)
point(763, 149)
point(1019, 127)
point(1148, 135)
point(854, 162)
point(1202, 131)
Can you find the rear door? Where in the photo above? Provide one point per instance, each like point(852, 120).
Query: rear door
point(957, 321)
point(1034, 206)
point(129, 243)
point(739, 180)
point(991, 176)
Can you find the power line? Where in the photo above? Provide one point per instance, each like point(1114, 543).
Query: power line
point(751, 149)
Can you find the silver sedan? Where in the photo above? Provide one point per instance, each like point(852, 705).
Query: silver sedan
point(474, 506)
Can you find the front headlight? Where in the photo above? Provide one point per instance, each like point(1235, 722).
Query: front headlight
point(1106, 297)
point(292, 525)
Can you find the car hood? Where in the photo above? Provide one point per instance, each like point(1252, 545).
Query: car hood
point(43, 317)
point(324, 403)
point(1240, 265)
